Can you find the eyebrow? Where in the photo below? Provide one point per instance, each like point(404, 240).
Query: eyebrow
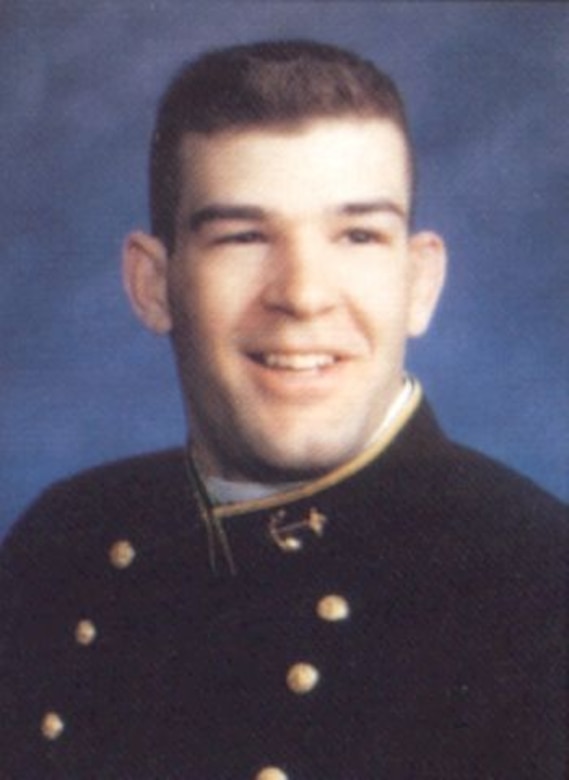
point(218, 212)
point(383, 205)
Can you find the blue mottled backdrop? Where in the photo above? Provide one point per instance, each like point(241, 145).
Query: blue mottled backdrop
point(488, 88)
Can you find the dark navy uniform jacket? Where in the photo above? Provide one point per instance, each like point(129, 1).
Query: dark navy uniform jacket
point(402, 618)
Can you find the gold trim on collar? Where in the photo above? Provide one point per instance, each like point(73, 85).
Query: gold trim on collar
point(340, 474)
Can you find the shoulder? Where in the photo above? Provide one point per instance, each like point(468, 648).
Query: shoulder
point(470, 494)
point(501, 512)
point(478, 481)
point(425, 451)
point(98, 501)
point(146, 469)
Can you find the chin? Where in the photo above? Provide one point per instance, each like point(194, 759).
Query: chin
point(305, 463)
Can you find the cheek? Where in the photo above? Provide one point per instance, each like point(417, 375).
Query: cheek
point(217, 286)
point(381, 299)
point(207, 312)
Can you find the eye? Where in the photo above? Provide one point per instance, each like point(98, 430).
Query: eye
point(362, 236)
point(242, 237)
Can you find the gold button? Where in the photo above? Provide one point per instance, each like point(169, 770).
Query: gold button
point(290, 544)
point(52, 726)
point(85, 632)
point(302, 678)
point(271, 773)
point(122, 554)
point(333, 608)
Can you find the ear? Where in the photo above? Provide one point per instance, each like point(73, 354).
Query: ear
point(145, 266)
point(428, 259)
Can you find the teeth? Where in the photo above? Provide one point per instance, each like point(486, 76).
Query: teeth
point(302, 362)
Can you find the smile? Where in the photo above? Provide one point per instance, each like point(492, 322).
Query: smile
point(285, 361)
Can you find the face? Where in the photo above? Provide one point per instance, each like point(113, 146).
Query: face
point(291, 292)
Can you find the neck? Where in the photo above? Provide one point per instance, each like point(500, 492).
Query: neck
point(222, 490)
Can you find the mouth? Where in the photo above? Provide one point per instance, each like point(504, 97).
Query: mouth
point(295, 362)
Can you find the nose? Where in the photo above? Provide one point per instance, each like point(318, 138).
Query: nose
point(301, 282)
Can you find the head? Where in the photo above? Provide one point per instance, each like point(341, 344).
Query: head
point(280, 260)
point(261, 85)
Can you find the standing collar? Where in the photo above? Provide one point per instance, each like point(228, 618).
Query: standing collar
point(270, 496)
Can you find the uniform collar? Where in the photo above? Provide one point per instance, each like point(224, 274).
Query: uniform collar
point(400, 413)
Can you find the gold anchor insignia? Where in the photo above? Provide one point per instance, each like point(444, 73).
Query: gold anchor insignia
point(281, 534)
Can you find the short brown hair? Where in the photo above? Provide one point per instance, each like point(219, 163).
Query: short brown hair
point(268, 83)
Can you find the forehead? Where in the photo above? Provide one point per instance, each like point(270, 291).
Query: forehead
point(297, 168)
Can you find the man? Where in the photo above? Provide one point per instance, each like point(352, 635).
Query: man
point(322, 585)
